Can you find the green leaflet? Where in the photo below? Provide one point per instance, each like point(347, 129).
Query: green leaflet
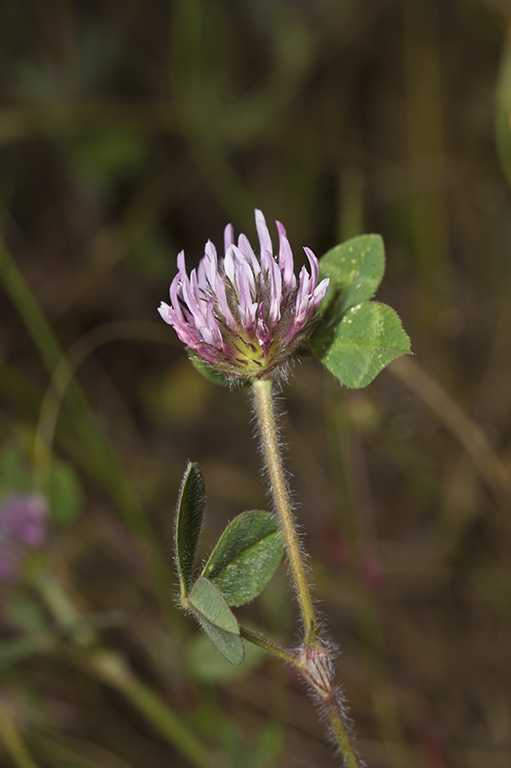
point(356, 338)
point(355, 269)
point(217, 620)
point(246, 556)
point(190, 511)
point(367, 339)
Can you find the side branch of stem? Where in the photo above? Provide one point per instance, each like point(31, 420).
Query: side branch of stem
point(270, 647)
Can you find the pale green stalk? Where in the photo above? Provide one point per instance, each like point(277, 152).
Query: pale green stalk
point(339, 730)
point(268, 645)
point(314, 661)
point(268, 427)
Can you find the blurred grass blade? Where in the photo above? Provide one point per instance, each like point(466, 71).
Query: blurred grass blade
point(206, 665)
point(105, 463)
point(16, 651)
point(112, 669)
point(503, 109)
point(65, 493)
point(13, 740)
point(190, 511)
point(469, 434)
point(246, 556)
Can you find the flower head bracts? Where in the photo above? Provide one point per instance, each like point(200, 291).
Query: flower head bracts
point(245, 316)
point(23, 526)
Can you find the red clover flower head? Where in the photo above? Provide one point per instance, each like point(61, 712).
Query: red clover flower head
point(243, 315)
point(23, 526)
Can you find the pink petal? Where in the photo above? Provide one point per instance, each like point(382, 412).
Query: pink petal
point(275, 277)
point(221, 297)
point(263, 233)
point(314, 266)
point(286, 262)
point(228, 237)
point(248, 253)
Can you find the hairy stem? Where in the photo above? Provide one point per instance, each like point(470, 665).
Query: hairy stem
point(338, 727)
point(268, 428)
point(314, 662)
point(270, 647)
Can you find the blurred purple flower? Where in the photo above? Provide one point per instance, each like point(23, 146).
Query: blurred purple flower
point(23, 526)
point(245, 316)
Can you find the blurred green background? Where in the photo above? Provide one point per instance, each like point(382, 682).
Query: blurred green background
point(130, 130)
